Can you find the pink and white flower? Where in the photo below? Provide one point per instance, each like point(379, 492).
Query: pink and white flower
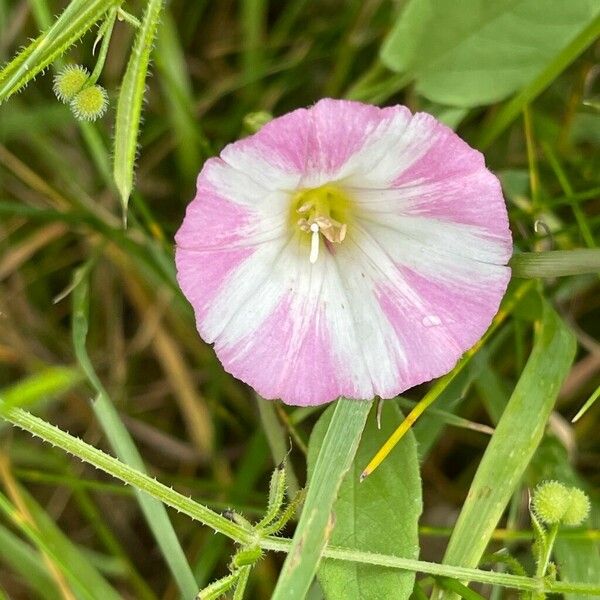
point(344, 250)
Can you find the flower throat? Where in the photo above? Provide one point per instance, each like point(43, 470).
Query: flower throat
point(322, 211)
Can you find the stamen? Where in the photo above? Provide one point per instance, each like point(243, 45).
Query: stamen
point(314, 243)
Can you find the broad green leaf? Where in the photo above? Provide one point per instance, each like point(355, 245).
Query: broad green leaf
point(515, 440)
point(335, 457)
point(379, 515)
point(72, 24)
point(477, 52)
point(131, 98)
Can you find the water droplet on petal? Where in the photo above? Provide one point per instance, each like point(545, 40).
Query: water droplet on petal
point(431, 321)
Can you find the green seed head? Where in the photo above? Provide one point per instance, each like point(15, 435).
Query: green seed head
point(550, 501)
point(578, 509)
point(90, 103)
point(69, 81)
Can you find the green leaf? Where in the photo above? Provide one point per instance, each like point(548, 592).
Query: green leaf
point(72, 24)
point(478, 52)
point(129, 106)
point(314, 528)
point(515, 440)
point(379, 515)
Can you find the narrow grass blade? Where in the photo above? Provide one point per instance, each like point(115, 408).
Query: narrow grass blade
point(48, 382)
point(26, 561)
point(73, 23)
point(129, 106)
point(514, 442)
point(556, 263)
point(177, 89)
point(314, 528)
point(587, 405)
point(84, 579)
point(124, 447)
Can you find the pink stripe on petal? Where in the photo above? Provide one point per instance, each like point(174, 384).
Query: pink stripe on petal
point(447, 156)
point(275, 156)
point(429, 351)
point(202, 274)
point(465, 310)
point(450, 320)
point(341, 127)
point(285, 359)
point(460, 201)
point(212, 221)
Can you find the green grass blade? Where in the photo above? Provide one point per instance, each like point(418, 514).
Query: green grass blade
point(314, 528)
point(78, 567)
point(48, 382)
point(24, 560)
point(129, 106)
point(124, 447)
point(517, 436)
point(556, 263)
point(85, 580)
point(72, 24)
point(177, 90)
point(587, 405)
point(462, 590)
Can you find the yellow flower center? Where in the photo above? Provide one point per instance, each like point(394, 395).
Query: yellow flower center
point(322, 211)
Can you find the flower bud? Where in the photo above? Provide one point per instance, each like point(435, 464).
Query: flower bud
point(578, 508)
point(90, 103)
point(69, 81)
point(550, 501)
point(254, 121)
point(246, 557)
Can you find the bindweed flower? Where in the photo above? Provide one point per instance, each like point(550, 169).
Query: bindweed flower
point(344, 250)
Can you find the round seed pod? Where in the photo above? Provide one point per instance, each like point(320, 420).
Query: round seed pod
point(90, 103)
point(69, 81)
point(578, 509)
point(550, 501)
